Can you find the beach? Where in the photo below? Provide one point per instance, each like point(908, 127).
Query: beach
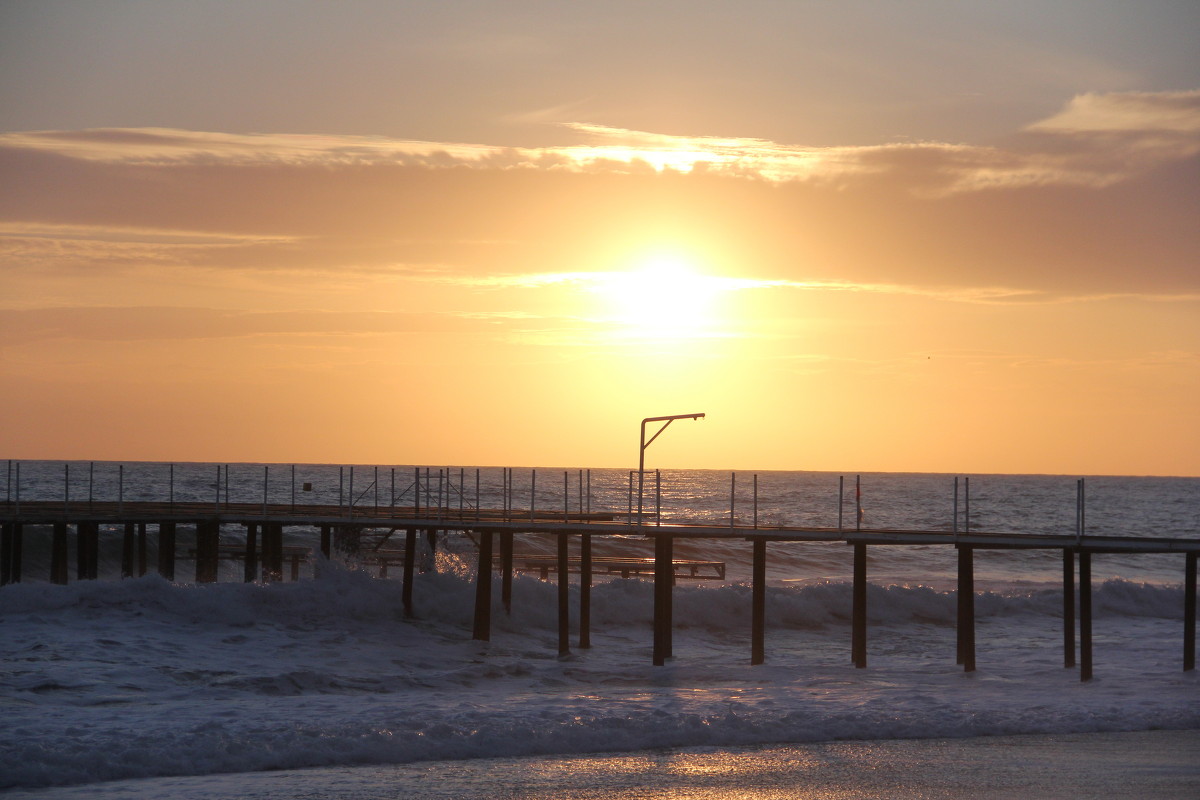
point(1143, 764)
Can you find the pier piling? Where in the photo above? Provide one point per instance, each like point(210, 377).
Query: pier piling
point(662, 592)
point(128, 550)
point(1189, 614)
point(482, 630)
point(410, 558)
point(87, 550)
point(966, 607)
point(7, 537)
point(564, 596)
point(141, 549)
point(858, 633)
point(250, 559)
point(585, 591)
point(758, 596)
point(208, 533)
point(1068, 607)
point(58, 554)
point(1085, 615)
point(166, 550)
point(506, 570)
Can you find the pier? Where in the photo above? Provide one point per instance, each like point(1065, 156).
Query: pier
point(263, 554)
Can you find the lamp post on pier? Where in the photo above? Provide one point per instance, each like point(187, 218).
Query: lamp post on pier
point(664, 570)
point(643, 444)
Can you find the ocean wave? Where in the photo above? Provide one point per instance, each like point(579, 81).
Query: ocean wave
point(344, 593)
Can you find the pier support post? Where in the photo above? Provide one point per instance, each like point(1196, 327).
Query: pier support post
point(966, 607)
point(564, 596)
point(277, 550)
point(410, 558)
point(506, 570)
point(250, 557)
point(141, 549)
point(758, 605)
point(483, 590)
point(208, 538)
point(264, 558)
point(166, 550)
point(87, 550)
point(662, 591)
point(669, 597)
point(858, 634)
point(14, 534)
point(1189, 613)
point(1085, 615)
point(81, 551)
point(325, 539)
point(128, 550)
point(272, 551)
point(585, 591)
point(1068, 608)
point(17, 548)
point(58, 554)
point(7, 535)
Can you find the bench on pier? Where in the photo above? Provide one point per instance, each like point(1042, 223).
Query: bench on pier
point(294, 553)
point(601, 565)
point(384, 559)
point(625, 567)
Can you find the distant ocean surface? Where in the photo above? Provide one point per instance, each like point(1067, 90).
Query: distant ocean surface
point(111, 679)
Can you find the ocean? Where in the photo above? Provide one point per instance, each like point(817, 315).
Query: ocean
point(143, 679)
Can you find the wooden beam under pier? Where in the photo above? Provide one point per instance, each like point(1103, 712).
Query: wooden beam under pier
point(858, 614)
point(564, 597)
point(662, 590)
point(250, 564)
point(58, 554)
point(1068, 607)
point(758, 597)
point(966, 608)
point(141, 549)
point(410, 556)
point(482, 629)
point(7, 538)
point(128, 550)
point(585, 591)
point(1085, 615)
point(1189, 613)
point(166, 550)
point(208, 544)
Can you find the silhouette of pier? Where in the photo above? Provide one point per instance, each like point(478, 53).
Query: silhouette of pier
point(260, 546)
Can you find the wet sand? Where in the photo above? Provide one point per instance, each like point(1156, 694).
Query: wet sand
point(1147, 764)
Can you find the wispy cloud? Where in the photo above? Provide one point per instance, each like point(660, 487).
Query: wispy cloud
point(1095, 140)
point(1097, 200)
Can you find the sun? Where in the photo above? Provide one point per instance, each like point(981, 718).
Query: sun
point(663, 295)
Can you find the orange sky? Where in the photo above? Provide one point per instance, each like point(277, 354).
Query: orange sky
point(1024, 301)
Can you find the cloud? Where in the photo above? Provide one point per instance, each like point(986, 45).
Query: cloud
point(1098, 199)
point(149, 323)
point(1128, 112)
point(1095, 140)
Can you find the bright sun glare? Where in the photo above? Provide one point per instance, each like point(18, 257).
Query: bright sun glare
point(664, 296)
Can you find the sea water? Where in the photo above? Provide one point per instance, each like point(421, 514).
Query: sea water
point(116, 679)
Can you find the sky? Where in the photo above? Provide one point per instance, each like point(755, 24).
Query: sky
point(922, 237)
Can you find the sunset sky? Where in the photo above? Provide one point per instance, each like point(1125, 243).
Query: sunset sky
point(919, 236)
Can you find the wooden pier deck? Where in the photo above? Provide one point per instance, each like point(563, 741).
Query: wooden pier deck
point(263, 544)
